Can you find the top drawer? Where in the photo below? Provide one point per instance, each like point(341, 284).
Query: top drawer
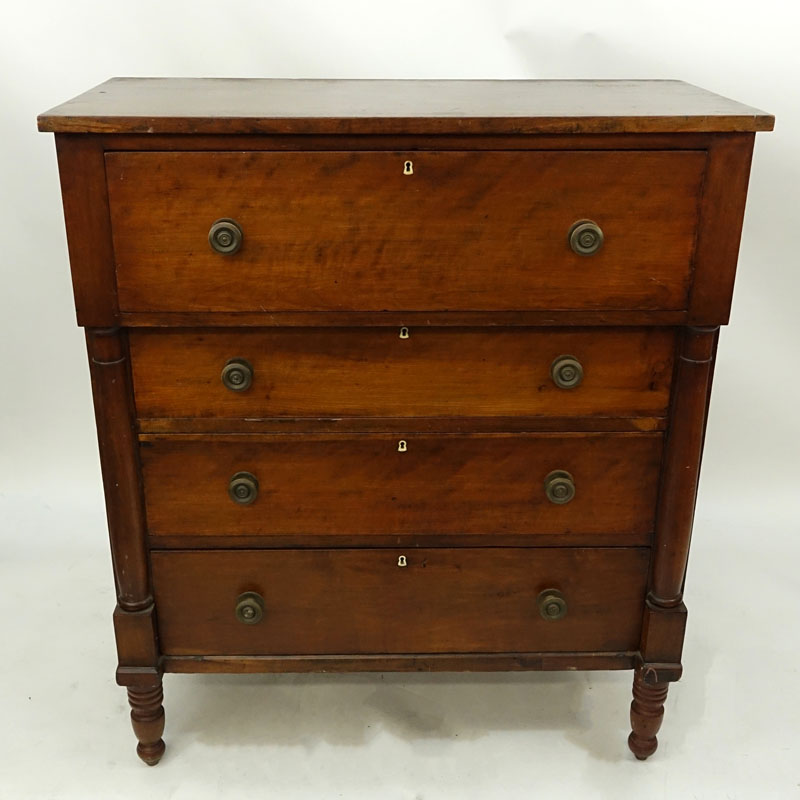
point(401, 231)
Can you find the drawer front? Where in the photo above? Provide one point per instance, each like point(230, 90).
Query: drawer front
point(382, 484)
point(326, 231)
point(369, 372)
point(470, 600)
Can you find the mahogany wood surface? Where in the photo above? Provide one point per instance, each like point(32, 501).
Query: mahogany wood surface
point(397, 319)
point(360, 601)
point(681, 472)
point(243, 106)
point(147, 718)
point(350, 231)
point(108, 364)
point(447, 483)
point(83, 192)
point(427, 662)
point(722, 214)
point(372, 372)
point(647, 713)
point(369, 558)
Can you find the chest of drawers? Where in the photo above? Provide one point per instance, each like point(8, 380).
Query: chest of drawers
point(401, 375)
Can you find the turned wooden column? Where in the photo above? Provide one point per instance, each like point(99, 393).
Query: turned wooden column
point(647, 711)
point(665, 614)
point(134, 616)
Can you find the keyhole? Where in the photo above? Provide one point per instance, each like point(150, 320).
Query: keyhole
point(402, 446)
point(404, 333)
point(408, 168)
point(401, 562)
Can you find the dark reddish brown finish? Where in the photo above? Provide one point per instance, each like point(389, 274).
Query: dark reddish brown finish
point(722, 214)
point(682, 466)
point(350, 231)
point(144, 142)
point(663, 630)
point(526, 152)
point(152, 428)
point(147, 718)
point(119, 460)
point(340, 602)
point(83, 192)
point(647, 712)
point(246, 106)
point(350, 484)
point(395, 319)
point(372, 372)
point(428, 662)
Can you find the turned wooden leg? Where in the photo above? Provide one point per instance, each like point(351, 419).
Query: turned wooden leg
point(647, 711)
point(147, 718)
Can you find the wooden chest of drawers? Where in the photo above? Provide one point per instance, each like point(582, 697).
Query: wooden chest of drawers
point(401, 375)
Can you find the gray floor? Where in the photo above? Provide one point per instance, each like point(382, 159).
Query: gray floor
point(730, 729)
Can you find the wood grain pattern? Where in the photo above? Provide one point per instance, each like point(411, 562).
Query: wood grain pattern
point(396, 319)
point(81, 168)
point(329, 484)
point(647, 712)
point(720, 232)
point(331, 142)
point(151, 428)
point(236, 105)
point(360, 601)
point(430, 662)
point(119, 460)
point(372, 372)
point(350, 231)
point(681, 471)
point(236, 541)
point(147, 718)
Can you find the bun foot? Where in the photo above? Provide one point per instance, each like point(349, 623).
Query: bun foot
point(647, 712)
point(147, 718)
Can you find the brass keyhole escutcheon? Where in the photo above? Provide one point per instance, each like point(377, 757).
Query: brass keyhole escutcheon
point(402, 446)
point(408, 168)
point(402, 562)
point(404, 334)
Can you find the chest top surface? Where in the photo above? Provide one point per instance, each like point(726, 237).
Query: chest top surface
point(254, 105)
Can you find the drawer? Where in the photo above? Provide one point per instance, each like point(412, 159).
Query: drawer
point(382, 484)
point(465, 600)
point(327, 231)
point(372, 372)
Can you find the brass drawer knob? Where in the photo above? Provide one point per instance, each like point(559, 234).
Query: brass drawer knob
point(585, 237)
point(566, 372)
point(225, 236)
point(249, 608)
point(237, 375)
point(552, 605)
point(243, 488)
point(559, 487)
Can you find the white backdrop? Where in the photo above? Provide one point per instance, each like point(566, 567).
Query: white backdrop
point(747, 531)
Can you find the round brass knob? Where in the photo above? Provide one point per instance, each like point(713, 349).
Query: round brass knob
point(559, 487)
point(237, 375)
point(249, 608)
point(243, 488)
point(552, 605)
point(585, 237)
point(225, 236)
point(566, 372)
